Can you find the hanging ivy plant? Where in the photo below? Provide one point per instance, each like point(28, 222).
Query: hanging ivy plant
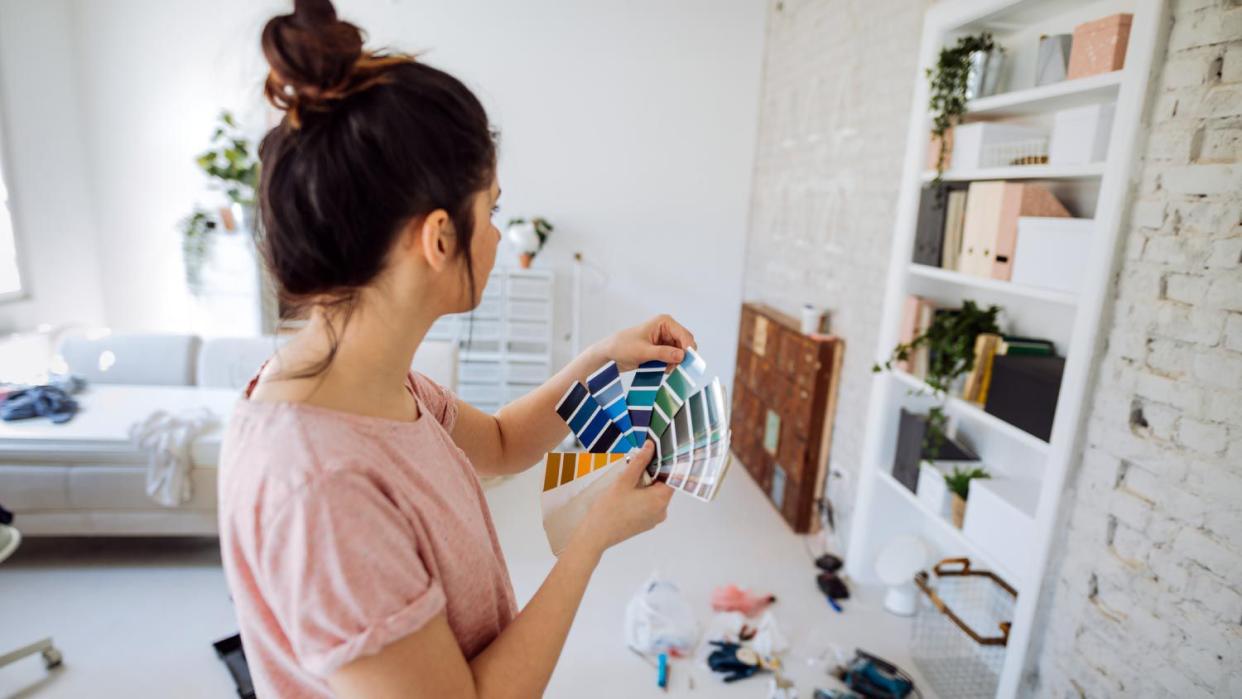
point(948, 87)
point(197, 231)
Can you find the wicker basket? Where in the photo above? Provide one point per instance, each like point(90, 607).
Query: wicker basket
point(961, 629)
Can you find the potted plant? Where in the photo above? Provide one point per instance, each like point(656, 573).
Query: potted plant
point(232, 163)
point(950, 343)
point(958, 483)
point(197, 231)
point(528, 237)
point(962, 72)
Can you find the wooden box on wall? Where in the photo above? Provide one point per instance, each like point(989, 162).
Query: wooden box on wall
point(784, 399)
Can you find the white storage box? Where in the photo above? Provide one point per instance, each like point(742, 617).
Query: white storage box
point(1051, 253)
point(1080, 135)
point(1000, 520)
point(932, 490)
point(972, 141)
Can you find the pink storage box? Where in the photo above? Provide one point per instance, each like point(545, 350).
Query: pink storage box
point(1099, 46)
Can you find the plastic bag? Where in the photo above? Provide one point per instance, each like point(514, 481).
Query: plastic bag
point(659, 620)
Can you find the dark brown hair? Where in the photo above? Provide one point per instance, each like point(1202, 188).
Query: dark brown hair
point(369, 141)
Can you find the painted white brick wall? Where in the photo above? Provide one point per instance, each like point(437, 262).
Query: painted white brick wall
point(1145, 595)
point(837, 90)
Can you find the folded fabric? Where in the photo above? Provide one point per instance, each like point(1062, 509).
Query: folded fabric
point(167, 439)
point(40, 401)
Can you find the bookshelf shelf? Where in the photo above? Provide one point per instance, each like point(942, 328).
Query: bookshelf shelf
point(1071, 321)
point(945, 531)
point(966, 410)
point(1023, 172)
point(967, 281)
point(1048, 98)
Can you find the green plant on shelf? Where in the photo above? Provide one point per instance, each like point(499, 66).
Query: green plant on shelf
point(947, 85)
point(958, 482)
point(950, 343)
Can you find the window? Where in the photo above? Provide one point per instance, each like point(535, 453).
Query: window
point(10, 276)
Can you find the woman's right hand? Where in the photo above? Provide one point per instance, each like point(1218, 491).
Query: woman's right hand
point(627, 508)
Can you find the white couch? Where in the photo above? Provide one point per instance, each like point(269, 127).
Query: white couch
point(85, 477)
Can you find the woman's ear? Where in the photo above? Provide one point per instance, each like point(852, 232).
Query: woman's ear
point(436, 240)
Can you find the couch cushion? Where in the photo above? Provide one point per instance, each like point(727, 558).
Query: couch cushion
point(122, 358)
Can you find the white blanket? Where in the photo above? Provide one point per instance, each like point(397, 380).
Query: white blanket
point(167, 439)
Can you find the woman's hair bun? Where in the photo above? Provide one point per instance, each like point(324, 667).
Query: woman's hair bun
point(316, 59)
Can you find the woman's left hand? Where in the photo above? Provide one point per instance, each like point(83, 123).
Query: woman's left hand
point(659, 338)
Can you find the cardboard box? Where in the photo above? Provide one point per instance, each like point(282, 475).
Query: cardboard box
point(1080, 135)
point(1051, 253)
point(1100, 46)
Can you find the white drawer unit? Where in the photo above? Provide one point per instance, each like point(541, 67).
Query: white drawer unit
point(481, 393)
point(514, 391)
point(528, 372)
point(506, 341)
point(476, 371)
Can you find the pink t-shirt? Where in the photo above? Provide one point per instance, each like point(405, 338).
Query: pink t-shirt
point(342, 534)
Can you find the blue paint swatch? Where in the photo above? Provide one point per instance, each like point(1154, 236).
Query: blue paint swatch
point(606, 387)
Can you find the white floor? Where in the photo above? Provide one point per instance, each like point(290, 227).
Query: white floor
point(136, 618)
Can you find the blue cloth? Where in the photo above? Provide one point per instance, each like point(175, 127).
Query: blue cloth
point(40, 401)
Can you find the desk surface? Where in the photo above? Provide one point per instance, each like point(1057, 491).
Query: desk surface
point(105, 415)
point(738, 539)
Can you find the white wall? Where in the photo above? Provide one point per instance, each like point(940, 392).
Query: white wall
point(42, 153)
point(631, 125)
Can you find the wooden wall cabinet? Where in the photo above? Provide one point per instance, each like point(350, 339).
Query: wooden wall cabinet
point(784, 400)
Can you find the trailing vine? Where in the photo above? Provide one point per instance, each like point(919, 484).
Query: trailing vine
point(947, 82)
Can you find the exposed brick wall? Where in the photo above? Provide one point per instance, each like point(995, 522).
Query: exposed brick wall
point(1146, 596)
point(837, 89)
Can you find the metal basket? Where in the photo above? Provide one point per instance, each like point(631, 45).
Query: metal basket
point(956, 645)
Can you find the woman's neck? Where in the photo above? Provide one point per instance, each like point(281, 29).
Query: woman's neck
point(375, 344)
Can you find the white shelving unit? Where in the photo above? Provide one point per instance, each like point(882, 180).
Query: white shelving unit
point(1100, 191)
point(506, 343)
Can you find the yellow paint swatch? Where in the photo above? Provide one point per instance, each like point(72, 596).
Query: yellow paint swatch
point(584, 463)
point(552, 472)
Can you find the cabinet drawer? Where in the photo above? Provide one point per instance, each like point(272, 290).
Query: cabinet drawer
point(529, 288)
point(529, 372)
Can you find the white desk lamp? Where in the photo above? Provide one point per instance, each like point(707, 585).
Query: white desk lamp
point(896, 565)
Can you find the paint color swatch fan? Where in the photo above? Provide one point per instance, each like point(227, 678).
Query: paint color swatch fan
point(683, 414)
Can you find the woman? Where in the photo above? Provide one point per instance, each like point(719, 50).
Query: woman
point(356, 539)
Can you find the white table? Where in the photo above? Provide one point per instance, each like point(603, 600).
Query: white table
point(86, 477)
point(739, 538)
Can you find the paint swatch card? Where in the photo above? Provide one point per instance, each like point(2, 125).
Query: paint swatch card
point(589, 423)
point(675, 388)
point(606, 388)
point(686, 418)
point(643, 388)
